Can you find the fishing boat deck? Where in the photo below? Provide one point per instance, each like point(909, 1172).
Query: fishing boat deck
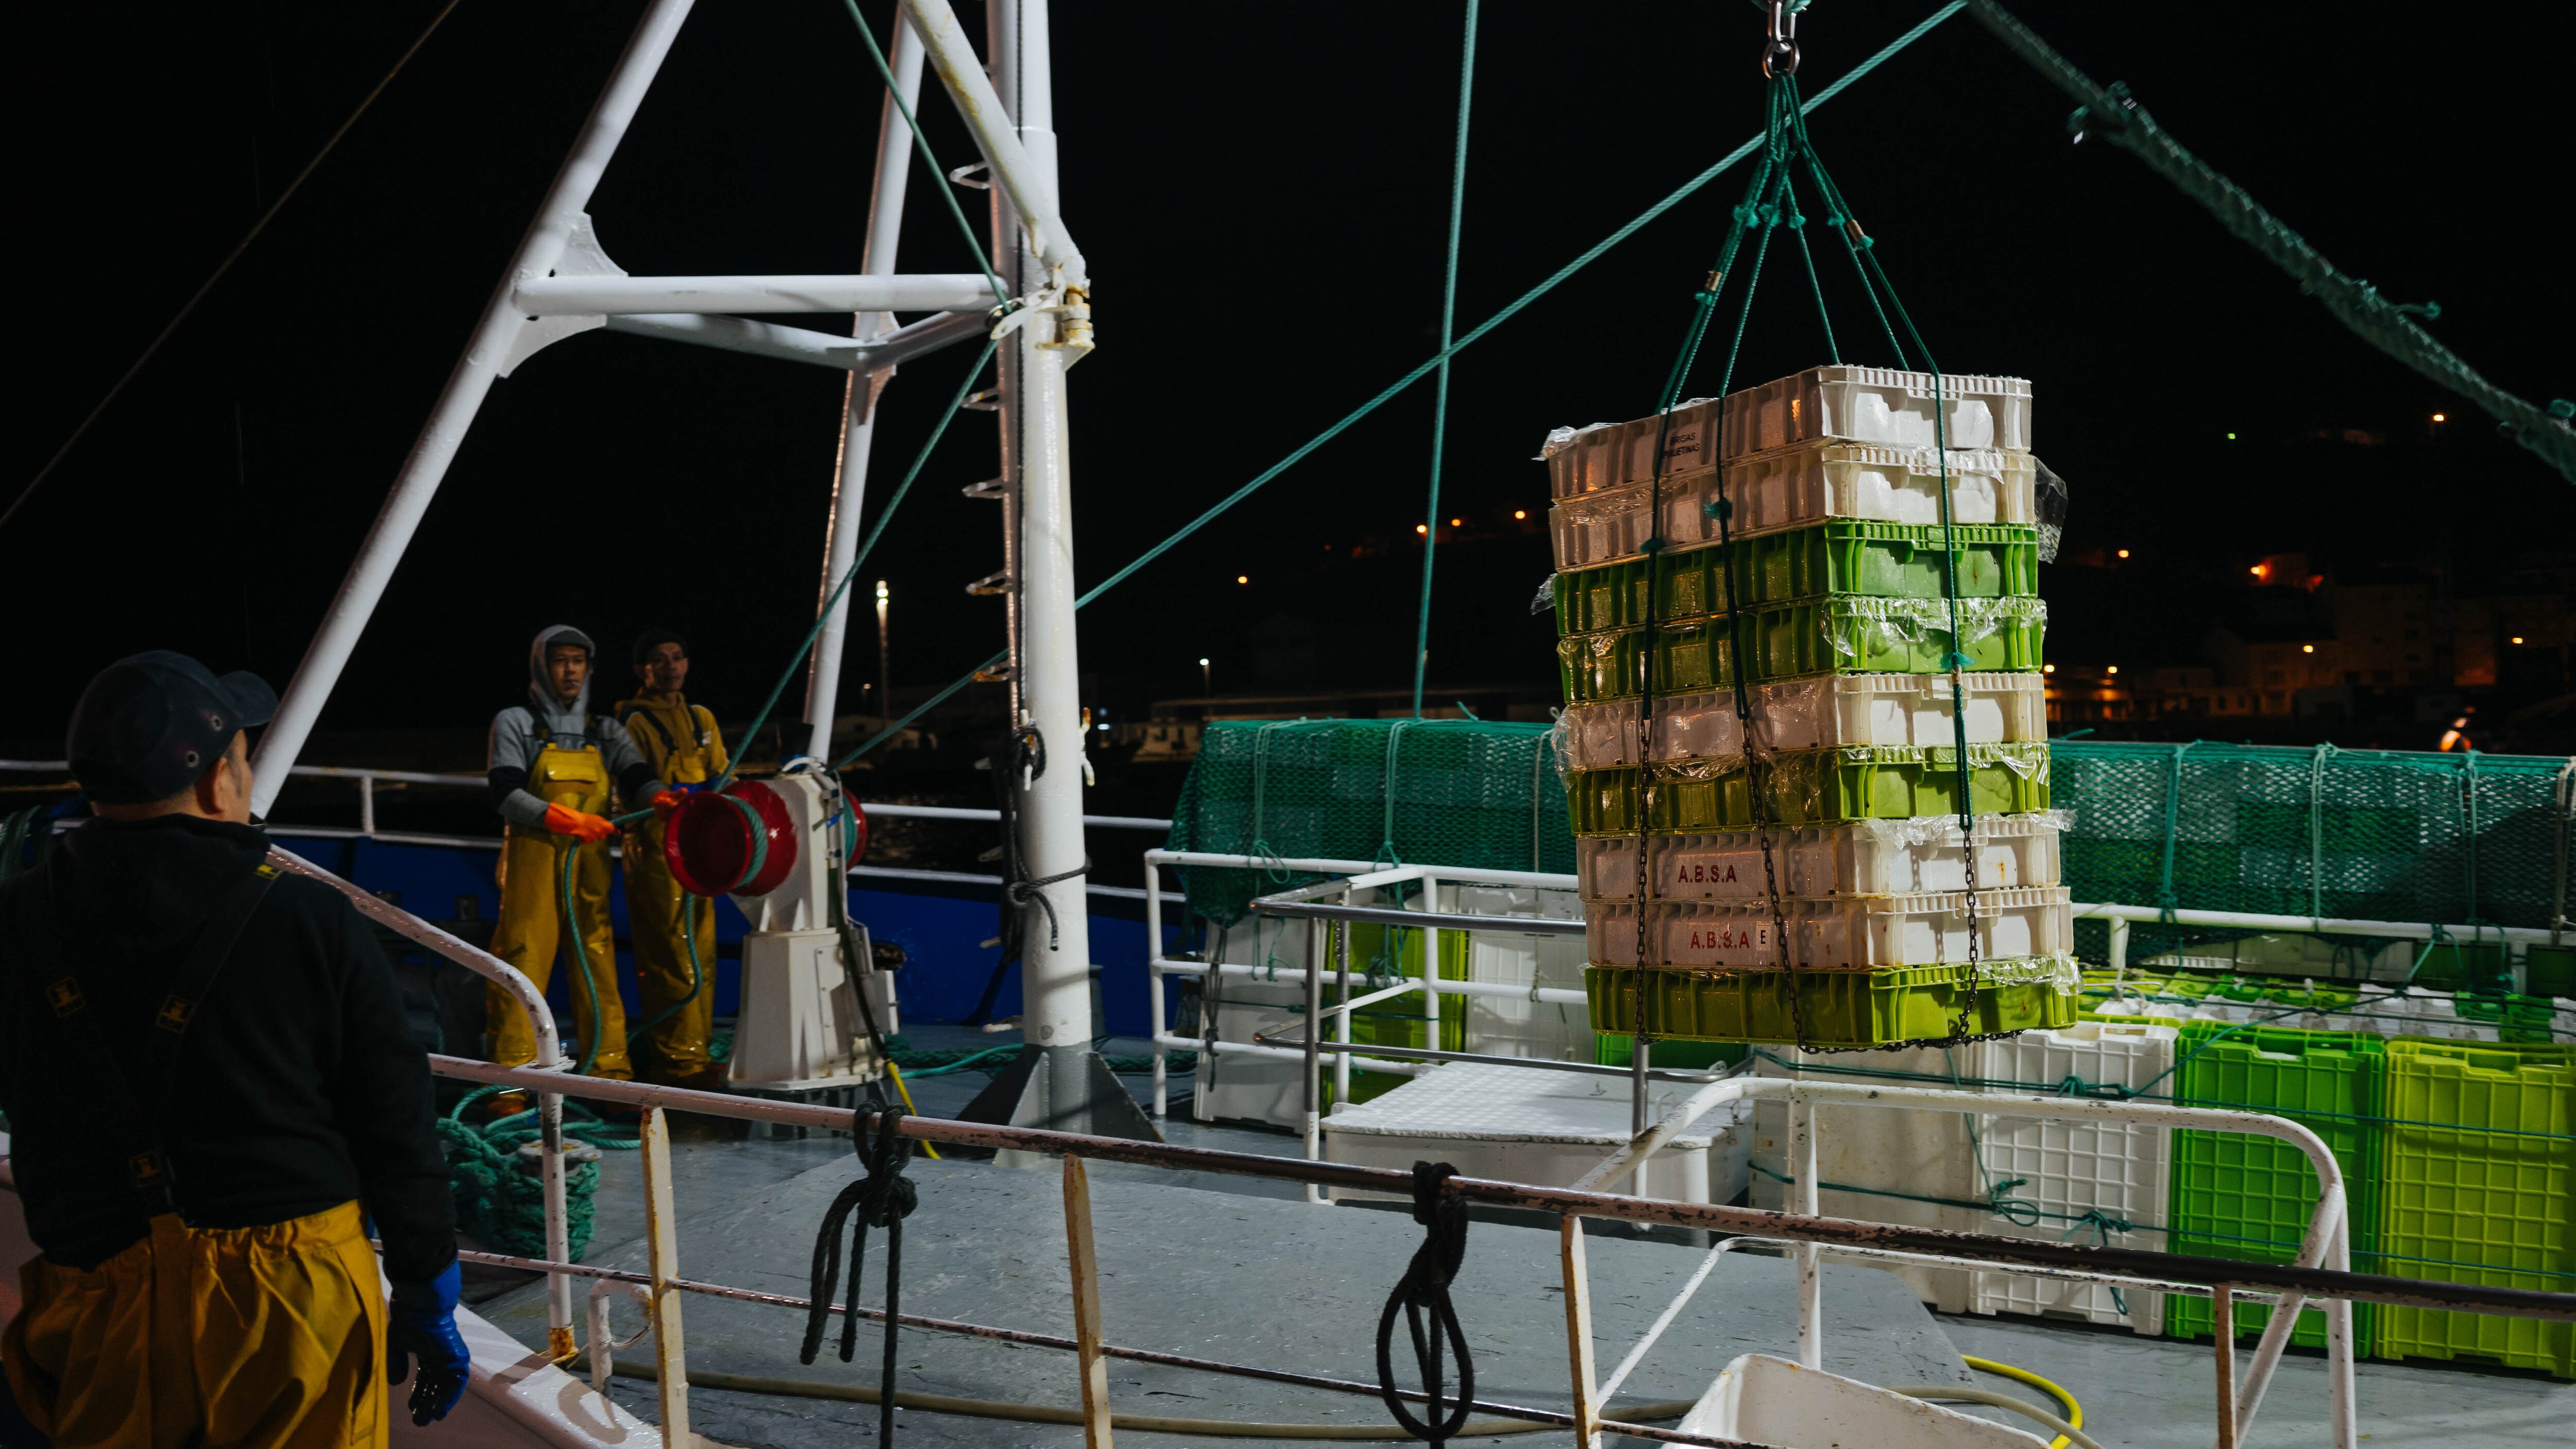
point(1238, 1269)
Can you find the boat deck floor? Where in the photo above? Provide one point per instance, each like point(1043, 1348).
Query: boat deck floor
point(1240, 1270)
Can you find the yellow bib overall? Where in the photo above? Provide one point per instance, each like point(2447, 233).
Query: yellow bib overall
point(532, 924)
point(680, 742)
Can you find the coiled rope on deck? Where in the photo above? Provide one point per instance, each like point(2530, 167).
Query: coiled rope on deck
point(1424, 1288)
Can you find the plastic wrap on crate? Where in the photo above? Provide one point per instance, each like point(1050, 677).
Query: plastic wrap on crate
point(1847, 635)
point(1859, 557)
point(1811, 787)
point(1605, 455)
point(1793, 488)
point(2501, 1200)
point(1875, 405)
point(1861, 858)
point(1832, 1008)
point(1835, 933)
point(1883, 1161)
point(2104, 1171)
point(1826, 711)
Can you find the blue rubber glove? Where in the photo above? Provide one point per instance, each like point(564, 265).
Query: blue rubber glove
point(423, 1326)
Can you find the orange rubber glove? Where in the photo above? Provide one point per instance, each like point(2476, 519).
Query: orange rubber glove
point(591, 828)
point(666, 802)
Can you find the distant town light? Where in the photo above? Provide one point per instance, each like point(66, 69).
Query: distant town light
point(2517, 638)
point(2259, 570)
point(2231, 437)
point(1457, 523)
point(2115, 669)
point(1243, 578)
point(1520, 513)
point(2124, 553)
point(2048, 669)
point(1422, 528)
point(2439, 418)
point(2307, 649)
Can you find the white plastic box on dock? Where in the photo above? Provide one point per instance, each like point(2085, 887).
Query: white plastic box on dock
point(1862, 858)
point(1841, 933)
point(1525, 1124)
point(1764, 1399)
point(1793, 488)
point(1822, 711)
point(1876, 1152)
point(2116, 1168)
point(1875, 405)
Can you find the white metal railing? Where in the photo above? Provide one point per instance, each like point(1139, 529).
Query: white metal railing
point(1806, 1233)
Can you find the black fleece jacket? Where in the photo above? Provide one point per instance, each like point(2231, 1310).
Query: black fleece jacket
point(297, 1089)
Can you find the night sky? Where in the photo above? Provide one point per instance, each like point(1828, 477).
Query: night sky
point(1262, 194)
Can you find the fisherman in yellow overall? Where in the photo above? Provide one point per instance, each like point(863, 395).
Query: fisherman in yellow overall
point(551, 764)
point(685, 749)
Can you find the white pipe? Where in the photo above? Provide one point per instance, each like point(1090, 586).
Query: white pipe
point(541, 1021)
point(595, 296)
point(802, 344)
point(1005, 136)
point(859, 400)
point(1154, 1022)
point(1290, 1054)
point(1548, 995)
point(959, 812)
point(1811, 1288)
point(485, 354)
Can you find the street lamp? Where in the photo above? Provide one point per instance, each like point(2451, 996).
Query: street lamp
point(885, 669)
point(1206, 680)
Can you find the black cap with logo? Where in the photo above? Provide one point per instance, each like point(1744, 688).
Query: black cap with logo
point(151, 723)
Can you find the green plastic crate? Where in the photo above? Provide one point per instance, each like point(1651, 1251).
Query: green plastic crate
point(1837, 1008)
point(1839, 634)
point(2522, 1020)
point(1813, 787)
point(1842, 556)
point(1890, 560)
point(2228, 1186)
point(2549, 971)
point(1695, 655)
point(1680, 1056)
point(2505, 1202)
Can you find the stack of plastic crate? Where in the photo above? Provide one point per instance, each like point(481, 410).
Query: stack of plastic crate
point(1830, 598)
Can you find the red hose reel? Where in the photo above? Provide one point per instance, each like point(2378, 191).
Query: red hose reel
point(742, 840)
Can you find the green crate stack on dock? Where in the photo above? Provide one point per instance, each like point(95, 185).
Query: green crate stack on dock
point(1747, 547)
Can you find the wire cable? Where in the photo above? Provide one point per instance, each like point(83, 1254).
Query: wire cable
point(226, 265)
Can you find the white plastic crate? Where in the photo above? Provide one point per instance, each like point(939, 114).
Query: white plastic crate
point(1875, 405)
point(2118, 1169)
point(1549, 1128)
point(1605, 455)
point(1819, 712)
point(1840, 933)
point(1862, 858)
point(1793, 488)
point(1765, 1399)
point(1880, 1151)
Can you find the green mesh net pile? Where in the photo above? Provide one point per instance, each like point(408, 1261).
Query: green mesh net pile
point(2375, 835)
point(1457, 792)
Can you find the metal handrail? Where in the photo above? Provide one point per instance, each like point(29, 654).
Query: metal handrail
point(1758, 1222)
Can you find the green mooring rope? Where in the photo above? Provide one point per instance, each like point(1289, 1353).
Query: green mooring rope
point(1448, 327)
point(500, 1199)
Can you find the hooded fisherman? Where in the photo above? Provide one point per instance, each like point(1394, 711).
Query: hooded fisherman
point(552, 763)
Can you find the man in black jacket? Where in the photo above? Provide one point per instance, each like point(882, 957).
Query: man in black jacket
point(209, 1091)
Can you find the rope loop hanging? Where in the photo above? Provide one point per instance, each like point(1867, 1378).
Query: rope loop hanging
point(881, 1199)
point(1424, 1290)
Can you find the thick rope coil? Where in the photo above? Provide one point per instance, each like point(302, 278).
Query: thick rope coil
point(1425, 1288)
point(882, 1199)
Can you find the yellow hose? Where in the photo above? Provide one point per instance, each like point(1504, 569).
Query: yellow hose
point(2074, 1410)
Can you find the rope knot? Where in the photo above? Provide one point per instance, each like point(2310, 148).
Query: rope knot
point(1424, 1288)
point(881, 1199)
